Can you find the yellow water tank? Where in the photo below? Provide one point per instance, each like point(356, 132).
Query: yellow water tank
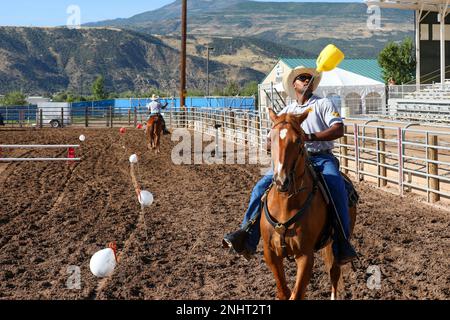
point(329, 58)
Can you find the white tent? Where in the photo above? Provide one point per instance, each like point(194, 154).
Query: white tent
point(351, 92)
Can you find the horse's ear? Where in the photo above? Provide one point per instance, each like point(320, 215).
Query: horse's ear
point(273, 116)
point(302, 117)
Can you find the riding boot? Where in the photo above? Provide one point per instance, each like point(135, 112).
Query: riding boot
point(342, 248)
point(237, 240)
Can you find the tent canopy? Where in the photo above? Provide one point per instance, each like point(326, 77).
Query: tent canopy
point(341, 78)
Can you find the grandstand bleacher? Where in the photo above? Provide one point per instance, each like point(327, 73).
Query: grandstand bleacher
point(428, 103)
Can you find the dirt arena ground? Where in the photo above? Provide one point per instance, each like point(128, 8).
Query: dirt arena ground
point(54, 215)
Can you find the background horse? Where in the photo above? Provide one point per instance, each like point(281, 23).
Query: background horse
point(153, 132)
point(296, 196)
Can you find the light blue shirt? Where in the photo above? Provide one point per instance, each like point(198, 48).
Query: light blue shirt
point(322, 116)
point(155, 107)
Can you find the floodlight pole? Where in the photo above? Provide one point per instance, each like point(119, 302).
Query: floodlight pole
point(183, 54)
point(207, 70)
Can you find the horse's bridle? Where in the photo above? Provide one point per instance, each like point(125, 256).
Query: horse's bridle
point(281, 228)
point(292, 173)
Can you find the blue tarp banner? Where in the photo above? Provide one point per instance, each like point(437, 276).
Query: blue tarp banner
point(123, 105)
point(18, 113)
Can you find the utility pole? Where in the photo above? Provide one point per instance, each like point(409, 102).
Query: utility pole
point(183, 53)
point(207, 70)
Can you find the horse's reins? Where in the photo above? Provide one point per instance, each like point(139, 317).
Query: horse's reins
point(281, 228)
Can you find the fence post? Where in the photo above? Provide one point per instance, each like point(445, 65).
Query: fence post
point(246, 129)
point(343, 151)
point(356, 142)
point(233, 125)
point(107, 117)
point(432, 154)
point(400, 160)
point(111, 115)
point(86, 117)
point(381, 157)
point(40, 118)
point(62, 117)
point(135, 117)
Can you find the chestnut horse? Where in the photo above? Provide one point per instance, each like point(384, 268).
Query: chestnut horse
point(301, 206)
point(153, 132)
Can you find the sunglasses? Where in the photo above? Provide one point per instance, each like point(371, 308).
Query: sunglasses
point(303, 77)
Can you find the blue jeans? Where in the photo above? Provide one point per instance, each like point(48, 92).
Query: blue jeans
point(329, 166)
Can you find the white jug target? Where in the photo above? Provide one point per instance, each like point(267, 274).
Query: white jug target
point(103, 262)
point(145, 198)
point(133, 158)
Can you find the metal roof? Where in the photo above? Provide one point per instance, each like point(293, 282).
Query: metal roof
point(365, 67)
point(427, 5)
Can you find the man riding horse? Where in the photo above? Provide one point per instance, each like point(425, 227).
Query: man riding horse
point(155, 108)
point(322, 126)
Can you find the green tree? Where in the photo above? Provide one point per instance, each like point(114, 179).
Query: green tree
point(195, 93)
point(250, 89)
point(231, 89)
point(398, 61)
point(98, 89)
point(15, 98)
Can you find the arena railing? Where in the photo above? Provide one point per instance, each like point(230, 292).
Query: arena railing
point(392, 154)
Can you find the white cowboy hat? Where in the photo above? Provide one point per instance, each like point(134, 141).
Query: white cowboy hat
point(288, 79)
point(154, 97)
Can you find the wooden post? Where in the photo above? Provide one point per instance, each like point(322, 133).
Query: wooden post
point(111, 113)
point(40, 118)
point(381, 148)
point(62, 117)
point(223, 126)
point(86, 121)
point(343, 151)
point(258, 131)
point(245, 131)
point(433, 183)
point(21, 118)
point(233, 125)
point(135, 117)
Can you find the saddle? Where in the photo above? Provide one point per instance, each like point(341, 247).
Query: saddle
point(155, 115)
point(353, 199)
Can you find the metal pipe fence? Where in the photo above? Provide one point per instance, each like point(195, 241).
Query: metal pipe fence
point(389, 155)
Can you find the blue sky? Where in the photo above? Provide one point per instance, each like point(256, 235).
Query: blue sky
point(54, 12)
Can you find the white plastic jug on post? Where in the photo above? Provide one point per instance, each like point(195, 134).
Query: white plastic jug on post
point(145, 198)
point(103, 262)
point(133, 158)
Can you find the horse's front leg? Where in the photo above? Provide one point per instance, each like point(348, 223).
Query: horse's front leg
point(305, 265)
point(275, 263)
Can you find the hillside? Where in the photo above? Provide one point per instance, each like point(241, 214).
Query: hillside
point(295, 24)
point(46, 60)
